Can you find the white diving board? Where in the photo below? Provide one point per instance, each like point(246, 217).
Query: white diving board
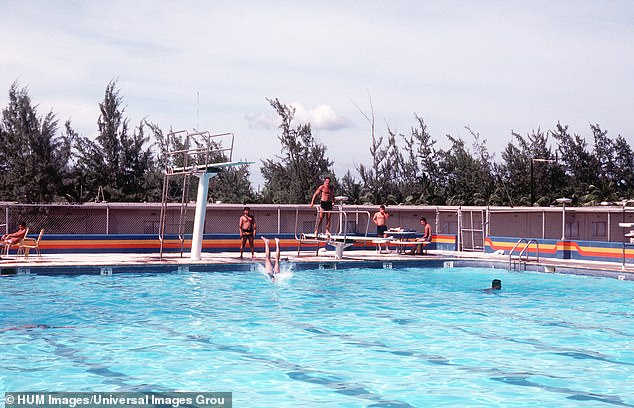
point(207, 168)
point(340, 242)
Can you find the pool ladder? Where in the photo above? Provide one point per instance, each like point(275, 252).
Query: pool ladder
point(523, 257)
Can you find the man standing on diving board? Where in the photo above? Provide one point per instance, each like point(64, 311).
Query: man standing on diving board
point(326, 201)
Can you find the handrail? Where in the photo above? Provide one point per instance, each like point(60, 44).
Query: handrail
point(341, 237)
point(523, 252)
point(528, 244)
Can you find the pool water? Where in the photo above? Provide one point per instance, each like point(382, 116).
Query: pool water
point(330, 338)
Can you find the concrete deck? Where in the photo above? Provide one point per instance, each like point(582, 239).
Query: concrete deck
point(56, 263)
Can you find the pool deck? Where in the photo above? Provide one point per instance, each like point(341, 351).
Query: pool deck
point(10, 264)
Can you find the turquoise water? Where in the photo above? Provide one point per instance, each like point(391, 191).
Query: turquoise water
point(327, 338)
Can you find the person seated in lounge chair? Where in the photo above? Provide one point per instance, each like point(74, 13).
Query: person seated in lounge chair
point(15, 237)
point(424, 240)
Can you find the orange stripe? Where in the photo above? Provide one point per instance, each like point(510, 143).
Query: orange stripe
point(586, 251)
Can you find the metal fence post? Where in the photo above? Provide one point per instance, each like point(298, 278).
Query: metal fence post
point(6, 219)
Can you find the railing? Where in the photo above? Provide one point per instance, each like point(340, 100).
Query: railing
point(523, 255)
point(341, 238)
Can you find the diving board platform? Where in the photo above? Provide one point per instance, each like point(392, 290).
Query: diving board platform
point(340, 242)
point(192, 154)
point(206, 168)
point(346, 220)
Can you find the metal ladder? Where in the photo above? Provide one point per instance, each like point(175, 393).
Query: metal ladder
point(523, 257)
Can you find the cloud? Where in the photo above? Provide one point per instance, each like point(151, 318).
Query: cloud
point(322, 117)
point(262, 121)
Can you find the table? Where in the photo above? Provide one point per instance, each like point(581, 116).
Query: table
point(403, 238)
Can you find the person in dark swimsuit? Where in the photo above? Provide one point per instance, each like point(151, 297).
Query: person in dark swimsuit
point(380, 219)
point(326, 201)
point(247, 230)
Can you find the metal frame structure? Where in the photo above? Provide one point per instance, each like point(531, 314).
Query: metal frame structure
point(199, 154)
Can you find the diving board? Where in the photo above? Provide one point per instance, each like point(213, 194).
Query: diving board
point(340, 242)
point(338, 238)
point(206, 168)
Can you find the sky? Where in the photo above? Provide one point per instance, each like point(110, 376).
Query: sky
point(492, 66)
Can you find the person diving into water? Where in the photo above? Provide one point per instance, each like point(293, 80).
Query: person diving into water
point(271, 270)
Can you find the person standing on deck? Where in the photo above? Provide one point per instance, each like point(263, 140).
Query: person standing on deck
point(326, 201)
point(247, 230)
point(380, 219)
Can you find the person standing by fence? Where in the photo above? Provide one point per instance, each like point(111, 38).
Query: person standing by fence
point(247, 230)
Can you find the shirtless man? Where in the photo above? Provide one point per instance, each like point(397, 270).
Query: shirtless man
point(327, 200)
point(425, 238)
point(247, 230)
point(380, 219)
point(15, 237)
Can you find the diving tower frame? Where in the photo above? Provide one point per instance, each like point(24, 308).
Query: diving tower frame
point(201, 155)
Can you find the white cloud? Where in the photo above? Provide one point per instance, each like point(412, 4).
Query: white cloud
point(262, 121)
point(322, 117)
point(494, 66)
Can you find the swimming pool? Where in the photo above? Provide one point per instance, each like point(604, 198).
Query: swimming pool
point(331, 338)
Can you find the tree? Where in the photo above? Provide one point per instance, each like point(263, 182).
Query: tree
point(293, 177)
point(372, 183)
point(33, 158)
point(529, 171)
point(466, 179)
point(117, 162)
point(580, 165)
point(419, 178)
point(623, 164)
point(351, 189)
point(389, 176)
point(232, 186)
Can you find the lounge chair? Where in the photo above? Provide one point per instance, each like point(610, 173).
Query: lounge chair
point(31, 243)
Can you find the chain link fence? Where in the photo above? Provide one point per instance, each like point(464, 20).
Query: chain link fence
point(472, 223)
